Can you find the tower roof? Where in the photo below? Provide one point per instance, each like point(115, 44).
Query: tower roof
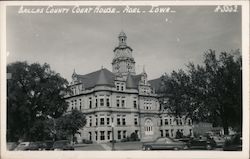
point(130, 83)
point(122, 34)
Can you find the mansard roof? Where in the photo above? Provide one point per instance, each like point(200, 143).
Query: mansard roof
point(156, 84)
point(130, 83)
point(105, 77)
point(137, 79)
point(100, 77)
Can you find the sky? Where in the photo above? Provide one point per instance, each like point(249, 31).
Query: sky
point(162, 42)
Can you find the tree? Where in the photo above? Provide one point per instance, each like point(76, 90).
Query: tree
point(210, 92)
point(69, 124)
point(34, 92)
point(224, 88)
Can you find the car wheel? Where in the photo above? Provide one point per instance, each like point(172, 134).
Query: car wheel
point(148, 148)
point(209, 147)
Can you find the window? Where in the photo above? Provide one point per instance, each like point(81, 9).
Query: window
point(80, 102)
point(167, 133)
point(108, 120)
point(101, 102)
point(136, 121)
point(109, 135)
point(189, 122)
point(90, 102)
point(90, 121)
point(75, 103)
point(102, 136)
point(161, 122)
point(166, 121)
point(190, 132)
point(102, 121)
point(118, 120)
point(124, 120)
point(177, 121)
point(135, 104)
point(124, 134)
point(96, 120)
point(161, 133)
point(96, 102)
point(149, 127)
point(107, 102)
point(120, 86)
point(118, 102)
point(180, 121)
point(170, 121)
point(119, 134)
point(90, 136)
point(123, 102)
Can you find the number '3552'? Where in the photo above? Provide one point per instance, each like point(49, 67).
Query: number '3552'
point(226, 8)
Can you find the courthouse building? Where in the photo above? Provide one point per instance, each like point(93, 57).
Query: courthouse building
point(123, 100)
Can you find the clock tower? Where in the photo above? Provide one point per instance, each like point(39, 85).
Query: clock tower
point(123, 62)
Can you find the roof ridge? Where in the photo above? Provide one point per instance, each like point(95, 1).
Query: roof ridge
point(94, 72)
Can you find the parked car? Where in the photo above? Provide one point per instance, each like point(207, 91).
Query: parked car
point(164, 144)
point(201, 143)
point(62, 145)
point(22, 146)
point(35, 146)
point(186, 140)
point(11, 145)
point(219, 141)
point(234, 143)
point(48, 145)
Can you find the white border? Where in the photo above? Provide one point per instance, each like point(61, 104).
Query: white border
point(130, 154)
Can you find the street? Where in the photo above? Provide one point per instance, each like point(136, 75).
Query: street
point(120, 146)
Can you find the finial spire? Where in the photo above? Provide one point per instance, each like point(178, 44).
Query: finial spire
point(143, 70)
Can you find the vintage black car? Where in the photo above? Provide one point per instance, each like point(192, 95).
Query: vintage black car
point(35, 146)
point(48, 145)
point(164, 144)
point(201, 143)
point(62, 145)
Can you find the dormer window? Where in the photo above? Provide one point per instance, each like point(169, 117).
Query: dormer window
point(120, 86)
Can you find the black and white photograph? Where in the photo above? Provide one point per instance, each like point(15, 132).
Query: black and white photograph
point(129, 78)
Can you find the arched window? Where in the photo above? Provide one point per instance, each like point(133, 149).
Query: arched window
point(149, 127)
